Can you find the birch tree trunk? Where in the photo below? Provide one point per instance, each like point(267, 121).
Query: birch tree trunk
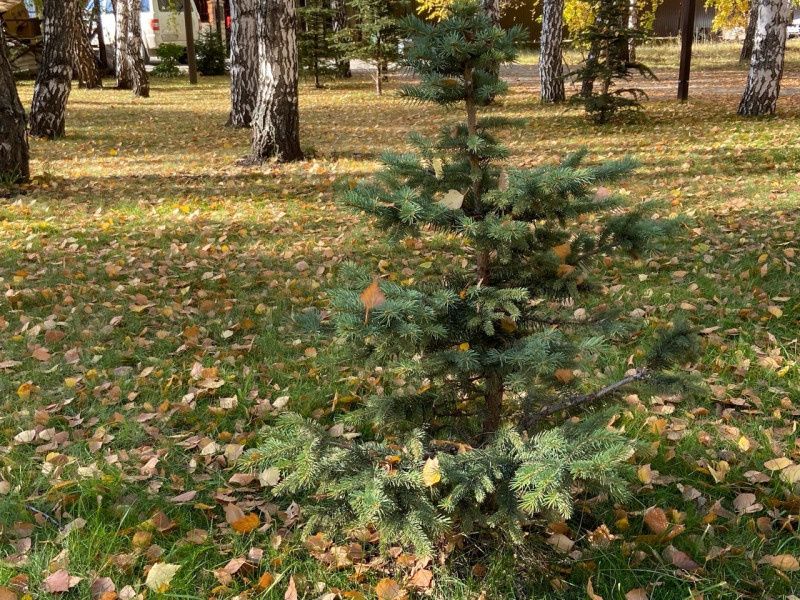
point(550, 58)
point(276, 121)
point(244, 62)
point(339, 23)
point(766, 66)
point(121, 62)
point(750, 33)
point(492, 8)
point(86, 71)
point(53, 82)
point(13, 131)
point(133, 40)
point(633, 23)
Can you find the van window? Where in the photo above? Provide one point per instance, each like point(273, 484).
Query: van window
point(145, 7)
point(171, 5)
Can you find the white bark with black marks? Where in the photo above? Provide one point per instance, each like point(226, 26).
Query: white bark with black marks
point(550, 58)
point(492, 8)
point(276, 121)
point(766, 66)
point(244, 62)
point(53, 82)
point(14, 157)
point(133, 40)
point(633, 23)
point(86, 71)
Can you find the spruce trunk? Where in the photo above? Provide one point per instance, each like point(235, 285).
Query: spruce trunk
point(121, 62)
point(244, 62)
point(53, 82)
point(276, 121)
point(86, 71)
point(493, 383)
point(550, 58)
point(139, 82)
point(750, 33)
point(766, 66)
point(13, 132)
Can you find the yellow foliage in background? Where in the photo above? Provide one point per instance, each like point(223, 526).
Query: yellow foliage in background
point(729, 13)
point(579, 14)
point(434, 9)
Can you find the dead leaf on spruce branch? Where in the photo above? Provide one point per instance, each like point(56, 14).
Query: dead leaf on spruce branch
point(430, 472)
point(564, 375)
point(562, 251)
point(453, 200)
point(372, 297)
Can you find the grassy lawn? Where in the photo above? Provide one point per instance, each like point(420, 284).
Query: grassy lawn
point(154, 318)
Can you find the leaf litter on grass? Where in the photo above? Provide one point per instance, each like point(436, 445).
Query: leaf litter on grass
point(145, 340)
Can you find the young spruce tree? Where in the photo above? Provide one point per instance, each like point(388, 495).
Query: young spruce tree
point(373, 34)
point(485, 358)
point(609, 40)
point(316, 48)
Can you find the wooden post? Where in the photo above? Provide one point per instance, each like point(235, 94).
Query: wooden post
point(188, 19)
point(688, 8)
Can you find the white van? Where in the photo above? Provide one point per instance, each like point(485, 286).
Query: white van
point(162, 22)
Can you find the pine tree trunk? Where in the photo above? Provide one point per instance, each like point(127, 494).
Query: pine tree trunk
point(85, 64)
point(139, 81)
point(244, 61)
point(13, 131)
point(339, 23)
point(53, 82)
point(766, 67)
point(750, 33)
point(550, 58)
point(121, 62)
point(492, 8)
point(276, 121)
point(633, 23)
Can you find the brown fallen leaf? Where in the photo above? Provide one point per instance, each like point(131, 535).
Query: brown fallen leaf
point(102, 588)
point(785, 562)
point(636, 594)
point(265, 581)
point(59, 582)
point(291, 591)
point(422, 579)
point(590, 591)
point(372, 297)
point(430, 472)
point(7, 594)
point(680, 559)
point(656, 520)
point(247, 524)
point(387, 589)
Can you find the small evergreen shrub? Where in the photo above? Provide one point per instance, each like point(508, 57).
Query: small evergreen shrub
point(211, 54)
point(608, 62)
point(480, 369)
point(169, 56)
point(318, 53)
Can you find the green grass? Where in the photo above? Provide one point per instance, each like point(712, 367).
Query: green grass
point(146, 246)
